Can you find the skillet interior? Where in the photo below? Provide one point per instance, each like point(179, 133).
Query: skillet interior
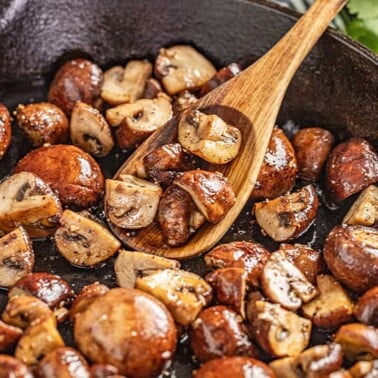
point(336, 87)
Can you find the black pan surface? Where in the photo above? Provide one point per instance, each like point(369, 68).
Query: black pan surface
point(336, 87)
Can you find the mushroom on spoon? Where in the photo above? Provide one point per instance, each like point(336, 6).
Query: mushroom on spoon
point(251, 100)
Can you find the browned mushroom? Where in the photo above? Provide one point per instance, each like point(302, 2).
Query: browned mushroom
point(366, 310)
point(211, 192)
point(28, 201)
point(230, 287)
point(289, 216)
point(279, 332)
point(131, 264)
point(16, 257)
point(235, 367)
point(83, 241)
point(5, 130)
point(104, 371)
point(131, 202)
point(176, 212)
point(89, 130)
point(125, 85)
point(183, 100)
point(138, 120)
point(364, 369)
point(42, 123)
point(49, 288)
point(351, 253)
point(218, 332)
point(184, 293)
point(249, 256)
point(358, 341)
point(70, 171)
point(152, 88)
point(76, 80)
point(63, 362)
point(9, 335)
point(12, 367)
point(364, 211)
point(284, 283)
point(351, 167)
point(279, 169)
point(312, 146)
point(285, 367)
point(182, 67)
point(141, 349)
point(208, 137)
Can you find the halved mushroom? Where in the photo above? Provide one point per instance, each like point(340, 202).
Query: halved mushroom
point(320, 360)
point(16, 257)
point(28, 201)
point(89, 130)
point(211, 192)
point(289, 216)
point(125, 85)
point(38, 340)
point(278, 331)
point(364, 211)
point(130, 264)
point(332, 307)
point(131, 203)
point(285, 367)
point(86, 296)
point(366, 310)
point(209, 137)
point(364, 369)
point(84, 241)
point(250, 256)
point(138, 120)
point(175, 214)
point(24, 310)
point(12, 367)
point(182, 67)
point(5, 130)
point(284, 283)
point(230, 287)
point(184, 293)
point(183, 100)
point(8, 336)
point(358, 341)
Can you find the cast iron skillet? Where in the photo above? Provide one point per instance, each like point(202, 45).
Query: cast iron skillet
point(337, 86)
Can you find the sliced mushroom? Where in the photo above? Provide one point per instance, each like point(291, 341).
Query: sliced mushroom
point(38, 340)
point(366, 310)
point(89, 130)
point(83, 241)
point(16, 257)
point(5, 130)
point(364, 211)
point(11, 367)
point(183, 100)
point(130, 264)
point(240, 254)
point(182, 67)
point(352, 166)
point(284, 283)
point(131, 203)
point(289, 216)
point(211, 192)
point(176, 209)
point(364, 369)
point(219, 332)
point(87, 296)
point(279, 332)
point(230, 287)
point(49, 288)
point(285, 367)
point(8, 336)
point(209, 137)
point(332, 307)
point(351, 253)
point(138, 120)
point(28, 201)
point(42, 123)
point(358, 341)
point(125, 85)
point(184, 293)
point(307, 260)
point(320, 360)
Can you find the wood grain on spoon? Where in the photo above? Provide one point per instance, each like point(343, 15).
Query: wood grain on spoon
point(250, 101)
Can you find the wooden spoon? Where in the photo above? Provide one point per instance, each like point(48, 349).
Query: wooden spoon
point(251, 101)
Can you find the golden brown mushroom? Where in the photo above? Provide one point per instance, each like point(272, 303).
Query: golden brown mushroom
point(12, 367)
point(366, 309)
point(9, 335)
point(5, 130)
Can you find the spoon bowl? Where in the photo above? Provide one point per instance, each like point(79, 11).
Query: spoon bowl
point(250, 101)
